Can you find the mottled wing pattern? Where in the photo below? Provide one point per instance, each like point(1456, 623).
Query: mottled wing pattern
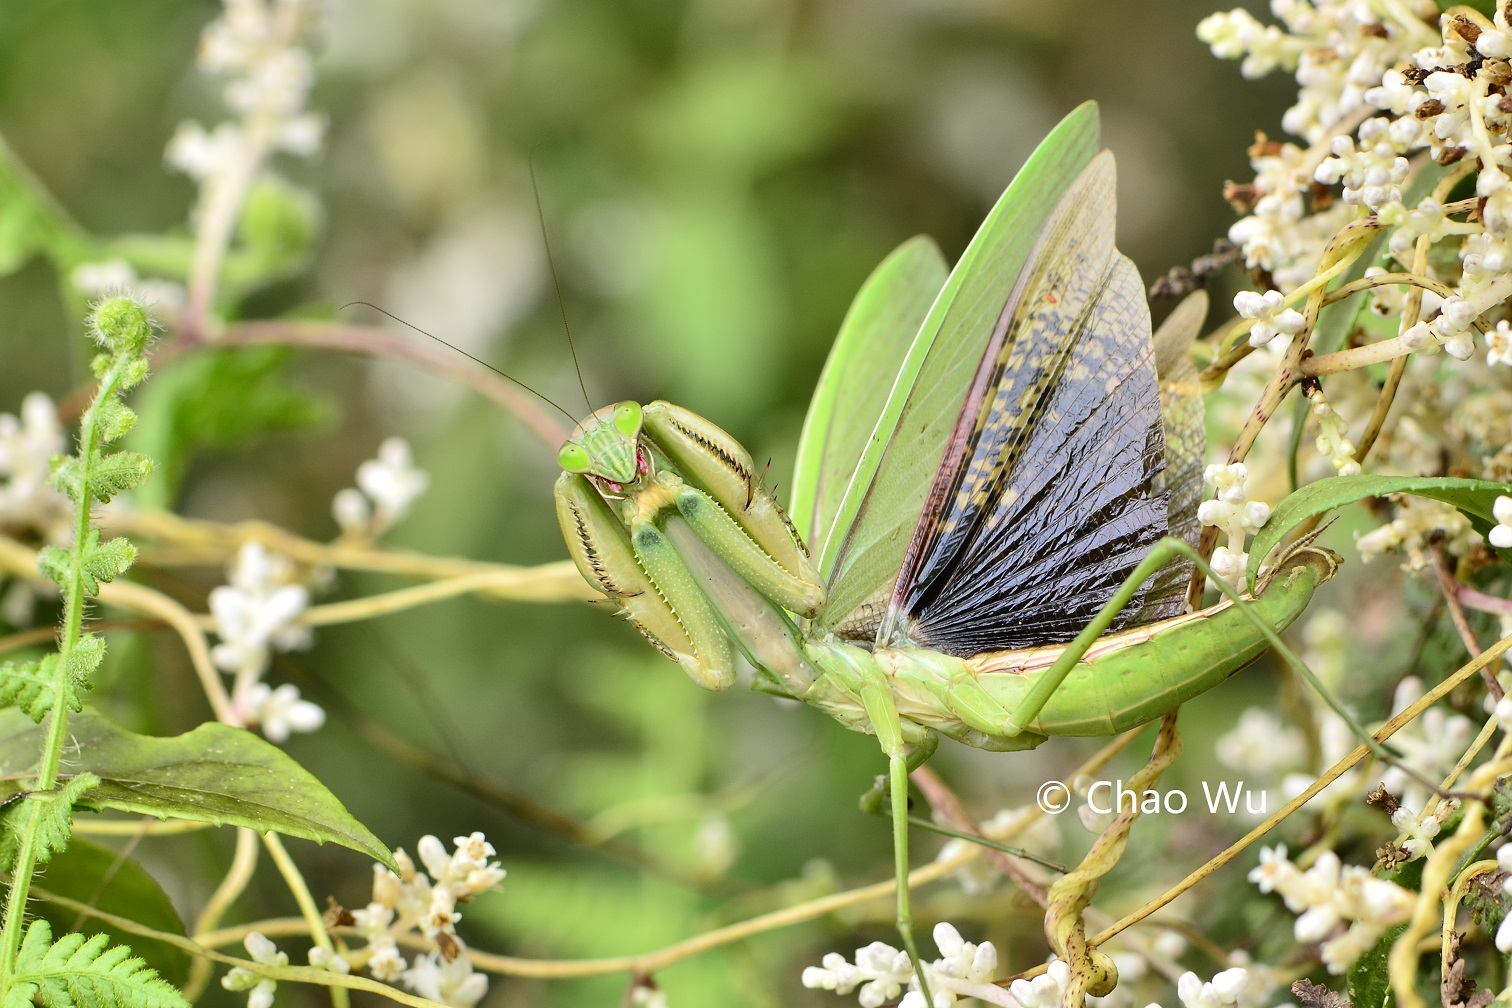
point(1050, 494)
point(1185, 436)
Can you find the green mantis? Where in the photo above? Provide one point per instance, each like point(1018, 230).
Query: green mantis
point(998, 467)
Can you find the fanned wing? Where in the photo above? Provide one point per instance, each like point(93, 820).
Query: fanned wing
point(885, 496)
point(857, 378)
point(1185, 434)
point(1052, 490)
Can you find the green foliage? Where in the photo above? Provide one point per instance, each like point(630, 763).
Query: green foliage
point(121, 325)
point(217, 400)
point(52, 827)
point(1473, 497)
point(105, 561)
point(278, 225)
point(113, 883)
point(114, 419)
point(80, 972)
point(102, 562)
point(1368, 985)
point(215, 773)
point(32, 686)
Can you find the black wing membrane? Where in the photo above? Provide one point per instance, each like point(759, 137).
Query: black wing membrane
point(1054, 487)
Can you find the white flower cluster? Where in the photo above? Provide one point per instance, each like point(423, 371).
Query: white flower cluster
point(1330, 895)
point(1233, 515)
point(1261, 745)
point(386, 488)
point(253, 45)
point(259, 989)
point(1236, 987)
point(255, 614)
point(1431, 744)
point(1272, 317)
point(881, 972)
point(413, 900)
point(1501, 535)
point(28, 502)
point(1333, 435)
point(1420, 523)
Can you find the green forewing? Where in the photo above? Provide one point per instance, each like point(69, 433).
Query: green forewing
point(885, 495)
point(859, 374)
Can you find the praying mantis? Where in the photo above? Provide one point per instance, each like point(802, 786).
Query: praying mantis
point(998, 474)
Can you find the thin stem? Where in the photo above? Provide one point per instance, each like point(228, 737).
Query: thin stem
point(57, 731)
point(294, 879)
point(238, 875)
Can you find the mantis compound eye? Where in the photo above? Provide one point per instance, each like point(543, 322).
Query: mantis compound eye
point(627, 418)
point(574, 458)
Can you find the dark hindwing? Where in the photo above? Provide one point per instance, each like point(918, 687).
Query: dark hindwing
point(1053, 489)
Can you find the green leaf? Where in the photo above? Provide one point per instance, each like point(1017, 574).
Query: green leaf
point(76, 971)
point(83, 658)
point(31, 222)
point(107, 562)
point(217, 400)
point(1367, 985)
point(215, 773)
point(1473, 497)
point(114, 419)
point(54, 825)
point(118, 472)
point(31, 686)
point(98, 876)
point(55, 562)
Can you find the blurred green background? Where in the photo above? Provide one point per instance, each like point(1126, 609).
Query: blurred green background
point(717, 179)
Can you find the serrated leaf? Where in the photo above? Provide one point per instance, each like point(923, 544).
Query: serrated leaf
point(54, 563)
point(1474, 498)
point(76, 971)
point(113, 419)
point(215, 773)
point(98, 876)
point(68, 476)
point(107, 562)
point(55, 826)
point(29, 686)
point(1367, 985)
point(83, 658)
point(118, 472)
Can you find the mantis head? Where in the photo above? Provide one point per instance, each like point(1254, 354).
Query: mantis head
point(606, 446)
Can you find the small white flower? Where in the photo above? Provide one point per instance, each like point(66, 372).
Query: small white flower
point(450, 981)
point(1045, 990)
point(260, 989)
point(1499, 344)
point(1417, 832)
point(391, 482)
point(323, 958)
point(1501, 535)
point(256, 612)
point(279, 712)
point(1271, 315)
point(28, 442)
